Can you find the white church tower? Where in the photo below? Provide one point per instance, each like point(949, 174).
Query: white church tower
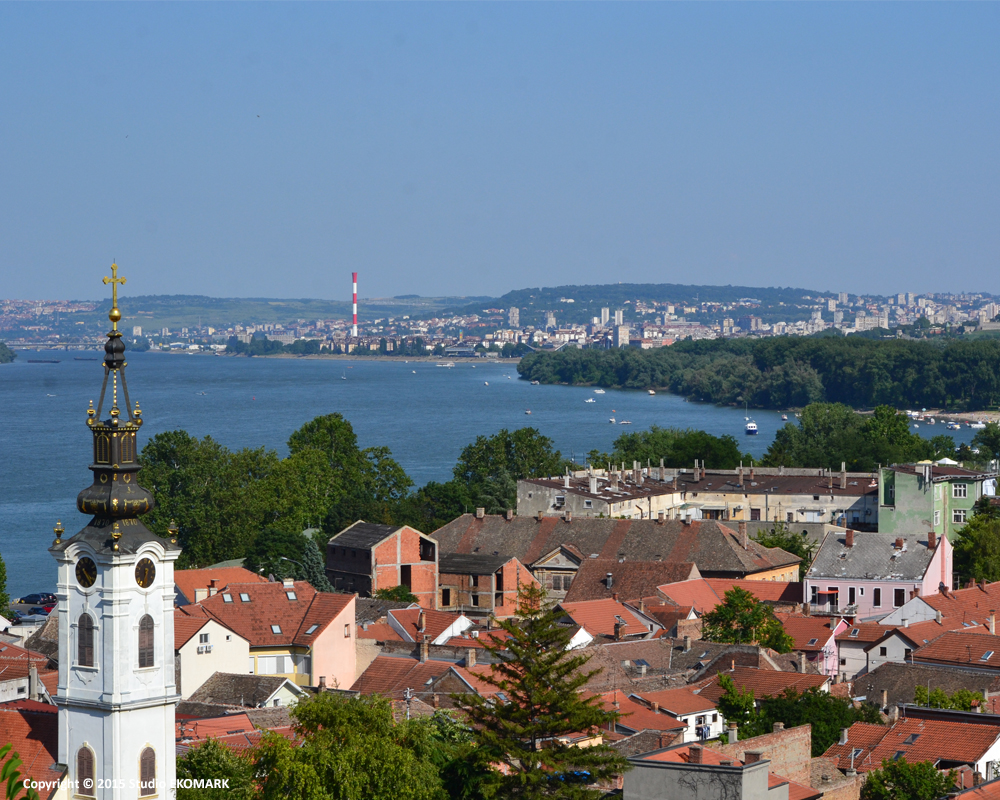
point(116, 694)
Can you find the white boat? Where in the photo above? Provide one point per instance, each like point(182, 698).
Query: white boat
point(612, 420)
point(414, 372)
point(930, 421)
point(343, 377)
point(750, 428)
point(446, 364)
point(534, 383)
point(598, 391)
point(590, 400)
point(915, 425)
point(784, 417)
point(651, 391)
point(527, 411)
point(953, 426)
point(977, 425)
point(625, 422)
point(486, 383)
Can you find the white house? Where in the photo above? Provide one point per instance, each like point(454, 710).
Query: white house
point(204, 646)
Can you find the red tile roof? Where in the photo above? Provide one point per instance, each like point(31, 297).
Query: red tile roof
point(976, 650)
point(679, 702)
point(379, 631)
point(922, 633)
point(915, 739)
point(435, 622)
point(269, 605)
point(242, 742)
point(867, 632)
point(14, 662)
point(388, 675)
point(33, 730)
point(213, 726)
point(766, 591)
point(810, 634)
point(599, 617)
point(187, 580)
point(187, 624)
point(638, 716)
point(697, 593)
point(763, 682)
point(985, 791)
point(682, 755)
point(966, 605)
point(630, 579)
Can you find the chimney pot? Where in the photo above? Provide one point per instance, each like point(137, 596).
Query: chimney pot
point(322, 682)
point(849, 539)
point(470, 658)
point(609, 580)
point(694, 754)
point(778, 727)
point(932, 540)
point(510, 514)
point(753, 756)
point(899, 543)
point(480, 513)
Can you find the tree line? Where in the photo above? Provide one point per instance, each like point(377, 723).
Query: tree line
point(792, 371)
point(262, 346)
point(6, 354)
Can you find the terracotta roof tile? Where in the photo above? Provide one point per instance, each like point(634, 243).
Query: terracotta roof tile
point(763, 682)
point(631, 580)
point(766, 591)
point(637, 716)
point(811, 634)
point(186, 626)
point(974, 650)
point(379, 631)
point(435, 622)
point(388, 675)
point(697, 594)
point(915, 739)
point(269, 604)
point(14, 661)
point(985, 791)
point(242, 742)
point(213, 727)
point(864, 632)
point(679, 702)
point(187, 580)
point(33, 730)
point(600, 617)
point(682, 755)
point(966, 605)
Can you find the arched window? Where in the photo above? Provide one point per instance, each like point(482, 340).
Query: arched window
point(85, 641)
point(85, 772)
point(147, 772)
point(146, 643)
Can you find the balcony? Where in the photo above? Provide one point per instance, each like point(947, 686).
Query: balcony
point(833, 610)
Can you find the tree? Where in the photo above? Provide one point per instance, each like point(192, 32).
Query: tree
point(464, 769)
point(959, 700)
point(399, 593)
point(742, 619)
point(213, 761)
point(977, 544)
point(349, 749)
point(737, 705)
point(797, 544)
point(676, 447)
point(434, 505)
point(11, 776)
point(6, 354)
point(988, 440)
point(900, 780)
point(4, 597)
point(539, 680)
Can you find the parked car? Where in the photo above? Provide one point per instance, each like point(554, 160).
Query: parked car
point(31, 600)
point(49, 599)
point(39, 610)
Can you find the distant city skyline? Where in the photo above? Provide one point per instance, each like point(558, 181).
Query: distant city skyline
point(260, 150)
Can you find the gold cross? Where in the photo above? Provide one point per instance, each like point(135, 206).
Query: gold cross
point(115, 314)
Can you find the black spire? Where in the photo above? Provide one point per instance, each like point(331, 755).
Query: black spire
point(115, 498)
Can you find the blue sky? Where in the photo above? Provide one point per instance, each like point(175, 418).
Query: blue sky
point(271, 149)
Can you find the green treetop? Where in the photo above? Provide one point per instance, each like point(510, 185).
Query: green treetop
point(742, 619)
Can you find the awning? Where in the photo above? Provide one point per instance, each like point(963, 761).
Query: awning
point(831, 591)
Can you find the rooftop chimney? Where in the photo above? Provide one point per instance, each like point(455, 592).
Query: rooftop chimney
point(937, 616)
point(778, 727)
point(829, 481)
point(687, 644)
point(733, 735)
point(694, 754)
point(843, 475)
point(743, 534)
point(322, 683)
point(802, 662)
point(899, 543)
point(619, 631)
point(849, 539)
point(470, 658)
point(510, 514)
point(992, 622)
point(480, 513)
point(593, 484)
point(843, 736)
point(32, 682)
point(663, 471)
point(661, 517)
point(932, 540)
point(425, 647)
point(609, 580)
point(806, 610)
point(421, 622)
point(753, 756)
point(614, 596)
point(739, 475)
point(655, 706)
point(287, 583)
point(885, 698)
point(566, 480)
point(568, 515)
point(751, 473)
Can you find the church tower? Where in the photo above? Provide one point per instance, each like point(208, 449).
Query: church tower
point(115, 591)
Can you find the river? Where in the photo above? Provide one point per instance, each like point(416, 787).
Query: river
point(424, 413)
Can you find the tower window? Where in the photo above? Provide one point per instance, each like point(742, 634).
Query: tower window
point(85, 642)
point(128, 447)
point(147, 773)
point(102, 449)
point(85, 772)
point(146, 642)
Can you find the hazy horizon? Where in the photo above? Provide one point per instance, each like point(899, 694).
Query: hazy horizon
point(269, 150)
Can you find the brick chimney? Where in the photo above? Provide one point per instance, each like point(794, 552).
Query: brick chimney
point(655, 706)
point(687, 644)
point(470, 658)
point(898, 543)
point(829, 481)
point(932, 540)
point(322, 683)
point(739, 475)
point(753, 756)
point(694, 475)
point(619, 631)
point(849, 539)
point(661, 517)
point(568, 516)
point(480, 513)
point(213, 587)
point(751, 473)
point(614, 596)
point(802, 662)
point(778, 727)
point(743, 534)
point(695, 754)
point(425, 647)
point(806, 610)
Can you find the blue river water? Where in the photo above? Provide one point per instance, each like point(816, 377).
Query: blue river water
point(424, 413)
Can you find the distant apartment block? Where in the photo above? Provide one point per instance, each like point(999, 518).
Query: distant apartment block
point(917, 498)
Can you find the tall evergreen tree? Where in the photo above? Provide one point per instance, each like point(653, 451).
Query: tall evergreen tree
point(538, 701)
point(4, 597)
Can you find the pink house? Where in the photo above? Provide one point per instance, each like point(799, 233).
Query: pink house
point(867, 575)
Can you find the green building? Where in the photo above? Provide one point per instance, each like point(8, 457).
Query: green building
point(916, 498)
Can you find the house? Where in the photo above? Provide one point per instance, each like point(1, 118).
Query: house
point(966, 650)
point(853, 643)
point(248, 691)
point(868, 574)
point(916, 499)
point(699, 714)
point(367, 557)
point(615, 495)
point(762, 682)
point(704, 594)
point(636, 716)
point(544, 545)
point(481, 585)
point(693, 772)
point(972, 604)
point(601, 578)
point(816, 637)
point(204, 646)
point(434, 627)
point(898, 643)
point(26, 675)
point(32, 730)
point(194, 585)
point(611, 619)
point(893, 684)
point(293, 630)
point(946, 744)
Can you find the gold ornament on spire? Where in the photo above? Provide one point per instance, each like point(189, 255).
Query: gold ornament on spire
point(114, 315)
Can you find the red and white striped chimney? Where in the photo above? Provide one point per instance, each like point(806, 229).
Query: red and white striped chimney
point(354, 326)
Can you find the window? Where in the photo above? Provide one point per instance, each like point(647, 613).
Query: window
point(229, 637)
point(912, 738)
point(405, 576)
point(251, 665)
point(446, 597)
point(588, 503)
point(882, 651)
point(855, 633)
point(851, 596)
point(227, 598)
point(862, 590)
point(85, 772)
point(898, 597)
point(877, 597)
point(147, 773)
point(986, 656)
point(475, 600)
point(474, 581)
point(937, 518)
point(814, 595)
point(347, 630)
point(790, 516)
point(906, 653)
point(715, 717)
point(244, 597)
point(812, 642)
point(203, 638)
point(815, 497)
point(146, 642)
point(958, 516)
point(291, 595)
point(959, 490)
point(85, 641)
point(754, 514)
point(275, 629)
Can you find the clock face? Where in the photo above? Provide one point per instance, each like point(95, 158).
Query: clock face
point(86, 572)
point(145, 572)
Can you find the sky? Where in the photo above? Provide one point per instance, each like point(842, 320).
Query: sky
point(269, 150)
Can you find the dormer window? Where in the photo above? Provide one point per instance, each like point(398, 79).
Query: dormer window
point(311, 630)
point(291, 595)
point(276, 629)
point(244, 597)
point(986, 656)
point(812, 642)
point(227, 598)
